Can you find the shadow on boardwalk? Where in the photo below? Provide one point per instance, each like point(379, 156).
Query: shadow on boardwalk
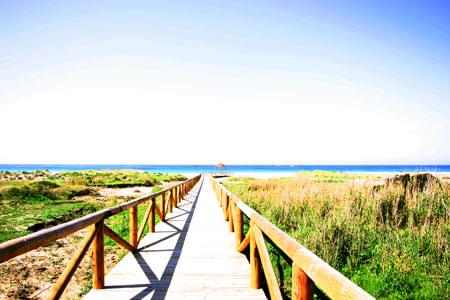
point(160, 286)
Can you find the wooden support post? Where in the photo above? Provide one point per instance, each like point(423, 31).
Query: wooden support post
point(151, 223)
point(302, 286)
point(230, 216)
point(238, 226)
point(171, 201)
point(180, 197)
point(144, 222)
point(226, 207)
point(134, 226)
point(163, 207)
point(98, 258)
point(174, 197)
point(255, 263)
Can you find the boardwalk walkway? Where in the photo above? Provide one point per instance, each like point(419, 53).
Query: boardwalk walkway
point(190, 256)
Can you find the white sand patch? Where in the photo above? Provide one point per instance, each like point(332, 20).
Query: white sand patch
point(135, 191)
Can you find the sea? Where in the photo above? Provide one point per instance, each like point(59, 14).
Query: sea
point(235, 169)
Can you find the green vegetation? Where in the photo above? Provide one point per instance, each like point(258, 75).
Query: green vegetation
point(120, 223)
point(117, 178)
point(30, 201)
point(392, 242)
point(337, 177)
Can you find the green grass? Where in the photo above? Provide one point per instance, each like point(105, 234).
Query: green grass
point(30, 201)
point(117, 178)
point(120, 223)
point(44, 199)
point(393, 244)
point(336, 177)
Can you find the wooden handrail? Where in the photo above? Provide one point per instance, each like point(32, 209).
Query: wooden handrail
point(18, 246)
point(308, 267)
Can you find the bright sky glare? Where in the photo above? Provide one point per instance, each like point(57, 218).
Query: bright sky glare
point(274, 82)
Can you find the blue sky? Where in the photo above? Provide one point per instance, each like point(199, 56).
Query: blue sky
point(260, 81)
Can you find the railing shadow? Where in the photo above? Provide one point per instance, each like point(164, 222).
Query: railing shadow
point(161, 285)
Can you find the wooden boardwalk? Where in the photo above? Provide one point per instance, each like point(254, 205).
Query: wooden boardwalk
point(190, 256)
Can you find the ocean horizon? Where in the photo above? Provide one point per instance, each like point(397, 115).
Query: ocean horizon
point(229, 168)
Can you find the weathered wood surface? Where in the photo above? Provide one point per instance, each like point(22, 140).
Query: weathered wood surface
point(190, 256)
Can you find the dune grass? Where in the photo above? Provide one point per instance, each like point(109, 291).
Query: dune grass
point(42, 199)
point(392, 242)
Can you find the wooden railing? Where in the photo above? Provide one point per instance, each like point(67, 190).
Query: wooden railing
point(170, 197)
point(307, 268)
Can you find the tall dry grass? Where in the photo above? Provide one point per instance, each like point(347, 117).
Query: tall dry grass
point(393, 240)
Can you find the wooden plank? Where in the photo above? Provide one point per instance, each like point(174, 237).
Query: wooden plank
point(189, 256)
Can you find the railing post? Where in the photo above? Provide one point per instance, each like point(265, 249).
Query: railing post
point(133, 226)
point(98, 258)
point(238, 227)
point(171, 201)
point(302, 286)
point(163, 205)
point(226, 207)
point(230, 215)
point(255, 262)
point(151, 223)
